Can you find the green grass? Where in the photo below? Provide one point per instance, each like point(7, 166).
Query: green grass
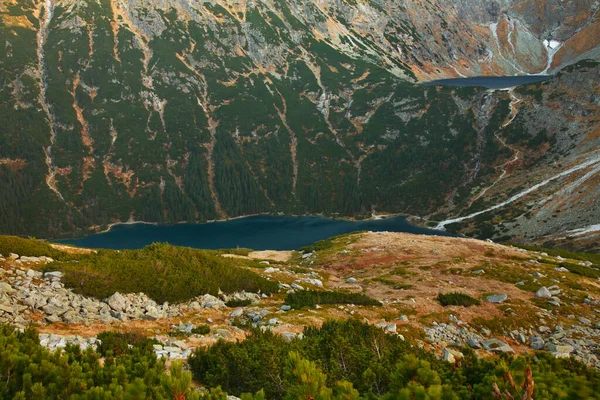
point(581, 270)
point(240, 251)
point(309, 298)
point(328, 244)
point(31, 248)
point(162, 271)
point(457, 299)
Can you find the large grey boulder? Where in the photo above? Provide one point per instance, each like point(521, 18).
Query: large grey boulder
point(54, 309)
point(543, 293)
point(497, 298)
point(559, 351)
point(536, 343)
point(210, 301)
point(496, 346)
point(117, 302)
point(237, 313)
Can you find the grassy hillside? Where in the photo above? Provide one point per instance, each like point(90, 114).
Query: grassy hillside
point(162, 271)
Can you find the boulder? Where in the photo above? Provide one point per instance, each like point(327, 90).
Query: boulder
point(536, 343)
point(496, 346)
point(236, 313)
point(312, 281)
point(351, 280)
point(474, 343)
point(118, 315)
point(33, 273)
point(53, 274)
point(52, 318)
point(554, 301)
point(391, 328)
point(7, 309)
point(210, 301)
point(186, 328)
point(6, 288)
point(497, 298)
point(117, 302)
point(543, 329)
point(559, 351)
point(451, 356)
point(285, 307)
point(54, 309)
point(543, 293)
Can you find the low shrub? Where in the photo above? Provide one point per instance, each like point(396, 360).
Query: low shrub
point(310, 298)
point(457, 299)
point(201, 330)
point(582, 270)
point(238, 303)
point(163, 272)
point(117, 343)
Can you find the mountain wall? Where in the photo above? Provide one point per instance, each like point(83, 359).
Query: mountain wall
point(190, 111)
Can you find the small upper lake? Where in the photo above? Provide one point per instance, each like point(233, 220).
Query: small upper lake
point(258, 233)
point(491, 82)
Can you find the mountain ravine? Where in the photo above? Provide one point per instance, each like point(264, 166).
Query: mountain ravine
point(182, 110)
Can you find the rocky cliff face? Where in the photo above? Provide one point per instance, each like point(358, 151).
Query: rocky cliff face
point(180, 110)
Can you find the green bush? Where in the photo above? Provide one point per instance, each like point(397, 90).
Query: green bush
point(162, 271)
point(310, 298)
point(116, 343)
point(377, 365)
point(457, 299)
point(201, 330)
point(582, 270)
point(31, 371)
point(238, 303)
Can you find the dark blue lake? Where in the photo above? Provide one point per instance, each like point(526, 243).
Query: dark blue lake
point(491, 82)
point(258, 233)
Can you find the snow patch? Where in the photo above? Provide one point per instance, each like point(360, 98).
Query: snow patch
point(584, 231)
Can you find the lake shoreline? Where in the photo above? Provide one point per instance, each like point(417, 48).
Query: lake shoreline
point(111, 225)
point(259, 232)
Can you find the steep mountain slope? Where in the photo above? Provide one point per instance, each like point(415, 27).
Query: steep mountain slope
point(183, 110)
